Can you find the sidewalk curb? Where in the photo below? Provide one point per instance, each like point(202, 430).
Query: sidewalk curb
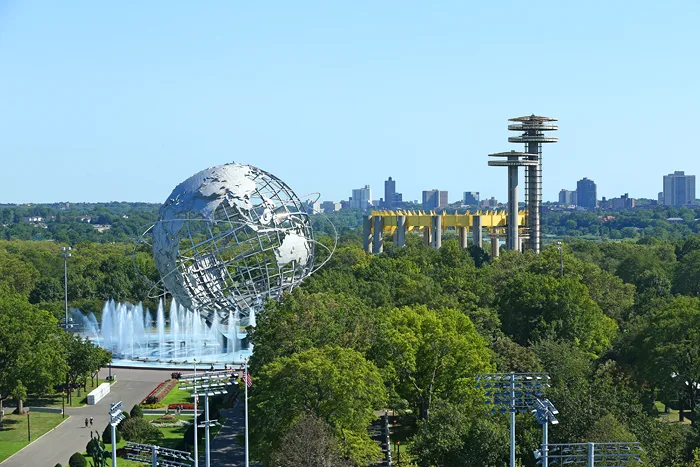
point(13, 455)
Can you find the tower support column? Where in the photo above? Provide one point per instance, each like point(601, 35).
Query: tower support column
point(378, 235)
point(436, 240)
point(495, 246)
point(426, 236)
point(462, 237)
point(367, 234)
point(477, 234)
point(400, 232)
point(512, 241)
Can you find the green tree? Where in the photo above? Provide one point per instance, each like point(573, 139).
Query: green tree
point(673, 340)
point(303, 320)
point(457, 436)
point(427, 354)
point(308, 443)
point(336, 385)
point(31, 357)
point(535, 306)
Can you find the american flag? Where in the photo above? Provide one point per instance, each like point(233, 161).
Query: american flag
point(248, 380)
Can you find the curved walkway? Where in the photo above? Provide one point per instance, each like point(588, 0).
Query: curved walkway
point(71, 436)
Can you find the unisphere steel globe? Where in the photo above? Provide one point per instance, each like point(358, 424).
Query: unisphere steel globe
point(230, 237)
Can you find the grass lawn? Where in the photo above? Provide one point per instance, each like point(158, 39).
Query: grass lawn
point(176, 396)
point(13, 434)
point(671, 416)
point(54, 400)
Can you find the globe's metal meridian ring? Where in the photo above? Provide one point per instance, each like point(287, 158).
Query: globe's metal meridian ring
point(229, 237)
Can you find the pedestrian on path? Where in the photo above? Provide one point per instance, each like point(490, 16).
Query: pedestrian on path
point(86, 422)
point(90, 422)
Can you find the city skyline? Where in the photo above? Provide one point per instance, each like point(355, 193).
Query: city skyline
point(421, 91)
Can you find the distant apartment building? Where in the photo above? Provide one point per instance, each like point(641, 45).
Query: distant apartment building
point(586, 193)
point(489, 203)
point(568, 197)
point(622, 203)
point(471, 198)
point(679, 189)
point(330, 206)
point(434, 199)
point(361, 198)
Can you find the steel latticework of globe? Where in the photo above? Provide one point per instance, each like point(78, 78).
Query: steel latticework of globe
point(230, 237)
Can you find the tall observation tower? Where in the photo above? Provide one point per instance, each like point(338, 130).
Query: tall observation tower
point(533, 135)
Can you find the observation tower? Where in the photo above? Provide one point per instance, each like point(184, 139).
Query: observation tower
point(533, 135)
point(513, 161)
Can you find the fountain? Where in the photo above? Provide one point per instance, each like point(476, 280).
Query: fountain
point(129, 332)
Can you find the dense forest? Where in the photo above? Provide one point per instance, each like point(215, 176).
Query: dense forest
point(408, 330)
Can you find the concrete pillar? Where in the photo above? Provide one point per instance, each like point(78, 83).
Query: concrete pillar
point(512, 241)
point(400, 232)
point(495, 246)
point(462, 237)
point(436, 240)
point(367, 234)
point(378, 235)
point(426, 236)
point(477, 234)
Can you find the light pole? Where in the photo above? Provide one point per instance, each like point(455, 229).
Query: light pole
point(115, 416)
point(211, 384)
point(65, 255)
point(63, 403)
point(560, 249)
point(607, 454)
point(512, 393)
point(544, 413)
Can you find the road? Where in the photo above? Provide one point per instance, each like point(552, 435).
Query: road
point(71, 436)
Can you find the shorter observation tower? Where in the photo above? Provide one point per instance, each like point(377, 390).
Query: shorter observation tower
point(533, 135)
point(513, 161)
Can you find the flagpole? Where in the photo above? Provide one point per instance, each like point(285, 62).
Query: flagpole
point(196, 456)
point(245, 383)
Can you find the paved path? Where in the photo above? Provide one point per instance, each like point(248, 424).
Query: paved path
point(226, 450)
point(72, 436)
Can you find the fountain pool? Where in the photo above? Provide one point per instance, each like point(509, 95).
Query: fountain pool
point(138, 338)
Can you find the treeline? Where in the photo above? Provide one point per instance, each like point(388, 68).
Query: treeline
point(632, 224)
point(96, 273)
point(77, 223)
point(410, 329)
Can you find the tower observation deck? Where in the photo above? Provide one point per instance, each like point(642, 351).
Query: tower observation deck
point(533, 135)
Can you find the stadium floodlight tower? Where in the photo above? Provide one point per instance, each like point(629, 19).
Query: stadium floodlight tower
point(513, 161)
point(512, 393)
point(544, 413)
point(533, 136)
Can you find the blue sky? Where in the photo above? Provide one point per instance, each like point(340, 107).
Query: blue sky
point(123, 100)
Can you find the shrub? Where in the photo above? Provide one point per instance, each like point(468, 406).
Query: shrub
point(136, 411)
point(107, 435)
point(139, 430)
point(77, 460)
point(58, 465)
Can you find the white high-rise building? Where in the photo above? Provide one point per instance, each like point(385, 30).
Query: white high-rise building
point(679, 189)
point(361, 198)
